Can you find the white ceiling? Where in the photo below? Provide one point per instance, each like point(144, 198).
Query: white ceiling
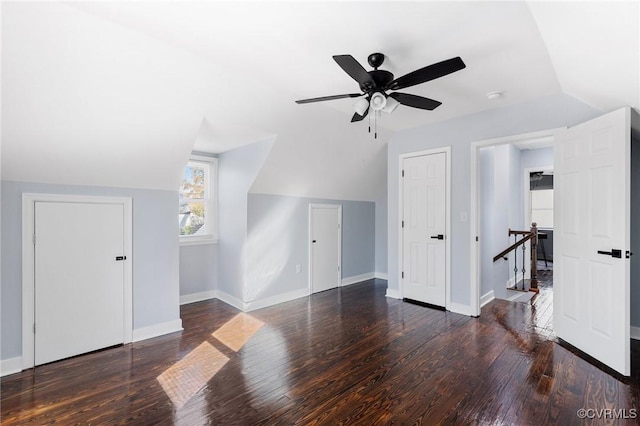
point(93, 84)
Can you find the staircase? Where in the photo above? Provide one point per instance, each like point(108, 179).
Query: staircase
point(520, 245)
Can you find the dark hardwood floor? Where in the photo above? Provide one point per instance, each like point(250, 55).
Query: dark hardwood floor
point(344, 356)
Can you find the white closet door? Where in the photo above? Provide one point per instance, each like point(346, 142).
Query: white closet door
point(79, 280)
point(424, 245)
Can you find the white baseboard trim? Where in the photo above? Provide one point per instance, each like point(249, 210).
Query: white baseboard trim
point(382, 275)
point(230, 300)
point(274, 300)
point(511, 282)
point(156, 330)
point(460, 309)
point(358, 278)
point(10, 366)
point(488, 297)
point(635, 331)
point(393, 294)
point(197, 297)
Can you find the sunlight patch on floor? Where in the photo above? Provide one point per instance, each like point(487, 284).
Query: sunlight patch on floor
point(238, 330)
point(187, 376)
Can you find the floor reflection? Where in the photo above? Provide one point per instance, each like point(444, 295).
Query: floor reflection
point(187, 376)
point(235, 333)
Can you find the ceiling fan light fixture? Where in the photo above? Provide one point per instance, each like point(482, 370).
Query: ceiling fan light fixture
point(391, 105)
point(361, 106)
point(378, 101)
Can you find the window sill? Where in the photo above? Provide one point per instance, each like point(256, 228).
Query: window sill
point(198, 241)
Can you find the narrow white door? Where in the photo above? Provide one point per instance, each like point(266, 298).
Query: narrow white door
point(79, 283)
point(325, 247)
point(424, 225)
point(591, 217)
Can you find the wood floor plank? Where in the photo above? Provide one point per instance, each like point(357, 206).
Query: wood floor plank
point(343, 356)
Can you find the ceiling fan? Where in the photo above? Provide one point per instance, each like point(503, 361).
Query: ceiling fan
point(375, 84)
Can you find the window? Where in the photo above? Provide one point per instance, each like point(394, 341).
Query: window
point(197, 206)
point(542, 207)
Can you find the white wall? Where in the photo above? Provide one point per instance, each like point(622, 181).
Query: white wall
point(545, 113)
point(237, 170)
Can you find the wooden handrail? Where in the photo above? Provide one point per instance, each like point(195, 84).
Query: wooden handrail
point(513, 247)
point(527, 235)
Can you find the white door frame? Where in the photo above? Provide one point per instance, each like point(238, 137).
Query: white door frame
point(312, 206)
point(447, 240)
point(28, 262)
point(475, 214)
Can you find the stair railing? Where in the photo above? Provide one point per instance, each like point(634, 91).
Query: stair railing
point(531, 235)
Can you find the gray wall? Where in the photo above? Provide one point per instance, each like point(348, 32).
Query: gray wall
point(278, 240)
point(545, 113)
point(539, 157)
point(237, 169)
point(486, 208)
point(500, 208)
point(155, 255)
point(381, 235)
point(198, 269)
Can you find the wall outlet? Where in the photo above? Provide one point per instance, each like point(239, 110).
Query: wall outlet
point(298, 268)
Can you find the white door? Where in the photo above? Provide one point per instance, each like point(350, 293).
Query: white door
point(79, 282)
point(424, 228)
point(325, 234)
point(591, 217)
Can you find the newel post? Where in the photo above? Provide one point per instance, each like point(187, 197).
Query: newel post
point(534, 258)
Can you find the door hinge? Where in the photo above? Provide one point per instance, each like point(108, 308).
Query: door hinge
point(34, 239)
point(338, 267)
point(403, 173)
point(34, 328)
point(628, 254)
point(476, 238)
point(403, 223)
point(402, 274)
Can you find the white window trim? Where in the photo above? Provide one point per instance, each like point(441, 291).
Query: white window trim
point(212, 238)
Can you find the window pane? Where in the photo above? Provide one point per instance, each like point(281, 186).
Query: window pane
point(542, 199)
point(191, 217)
point(194, 181)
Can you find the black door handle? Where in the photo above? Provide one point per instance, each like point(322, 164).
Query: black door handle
point(121, 258)
point(613, 253)
point(438, 237)
point(313, 241)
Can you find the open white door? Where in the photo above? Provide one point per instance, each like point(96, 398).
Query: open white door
point(592, 238)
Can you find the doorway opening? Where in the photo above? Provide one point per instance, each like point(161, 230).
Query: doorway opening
point(502, 200)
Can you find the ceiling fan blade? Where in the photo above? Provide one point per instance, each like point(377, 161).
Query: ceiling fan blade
point(329, 98)
point(354, 69)
point(427, 73)
point(415, 101)
point(358, 117)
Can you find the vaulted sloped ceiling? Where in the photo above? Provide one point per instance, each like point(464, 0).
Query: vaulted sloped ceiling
point(118, 93)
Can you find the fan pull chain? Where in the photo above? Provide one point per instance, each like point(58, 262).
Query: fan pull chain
point(375, 124)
